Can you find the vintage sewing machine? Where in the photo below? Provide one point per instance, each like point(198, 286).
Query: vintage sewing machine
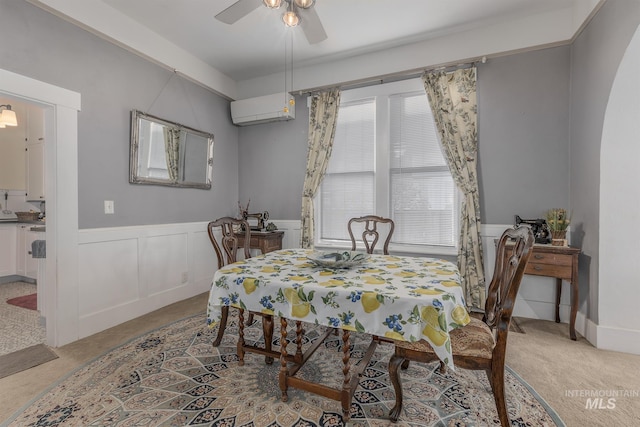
point(539, 227)
point(256, 220)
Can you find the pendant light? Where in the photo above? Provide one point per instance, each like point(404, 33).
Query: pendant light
point(290, 17)
point(272, 4)
point(8, 116)
point(305, 4)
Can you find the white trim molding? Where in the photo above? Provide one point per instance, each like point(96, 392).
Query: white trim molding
point(126, 272)
point(61, 108)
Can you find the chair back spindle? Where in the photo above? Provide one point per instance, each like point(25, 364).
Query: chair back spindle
point(370, 234)
point(504, 286)
point(227, 248)
point(227, 253)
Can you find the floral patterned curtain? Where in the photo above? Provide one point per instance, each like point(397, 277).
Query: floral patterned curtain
point(452, 97)
point(322, 128)
point(172, 151)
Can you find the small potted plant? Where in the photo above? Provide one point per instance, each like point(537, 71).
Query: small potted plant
point(558, 221)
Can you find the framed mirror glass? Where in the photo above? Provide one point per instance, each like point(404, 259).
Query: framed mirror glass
point(168, 153)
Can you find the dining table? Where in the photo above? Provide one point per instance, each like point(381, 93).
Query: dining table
point(389, 297)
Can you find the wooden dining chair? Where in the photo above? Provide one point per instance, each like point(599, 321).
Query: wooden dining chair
point(370, 233)
point(482, 344)
point(227, 252)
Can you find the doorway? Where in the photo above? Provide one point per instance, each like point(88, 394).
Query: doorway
point(61, 108)
point(22, 183)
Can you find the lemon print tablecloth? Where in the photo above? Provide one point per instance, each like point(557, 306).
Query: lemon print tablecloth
point(403, 298)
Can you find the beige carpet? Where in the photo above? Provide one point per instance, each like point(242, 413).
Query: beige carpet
point(544, 356)
point(567, 373)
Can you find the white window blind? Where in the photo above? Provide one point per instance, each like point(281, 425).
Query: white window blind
point(386, 160)
point(348, 186)
point(422, 189)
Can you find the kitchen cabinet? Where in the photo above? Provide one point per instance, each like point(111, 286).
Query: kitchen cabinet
point(26, 265)
point(35, 155)
point(7, 250)
point(35, 172)
point(35, 125)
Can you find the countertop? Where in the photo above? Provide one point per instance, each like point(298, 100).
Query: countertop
point(37, 225)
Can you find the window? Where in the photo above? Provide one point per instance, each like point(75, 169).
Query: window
point(386, 160)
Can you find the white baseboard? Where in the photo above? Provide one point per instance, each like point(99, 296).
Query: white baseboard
point(617, 339)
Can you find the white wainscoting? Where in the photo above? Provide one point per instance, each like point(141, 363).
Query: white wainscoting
point(291, 228)
point(126, 272)
point(537, 295)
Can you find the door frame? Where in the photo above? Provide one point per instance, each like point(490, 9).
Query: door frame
point(61, 108)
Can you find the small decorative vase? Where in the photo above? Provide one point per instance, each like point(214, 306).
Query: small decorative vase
point(558, 238)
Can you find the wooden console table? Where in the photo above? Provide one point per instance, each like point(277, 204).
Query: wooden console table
point(266, 241)
point(560, 262)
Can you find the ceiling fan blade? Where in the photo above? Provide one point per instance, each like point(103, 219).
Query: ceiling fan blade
point(238, 10)
point(312, 26)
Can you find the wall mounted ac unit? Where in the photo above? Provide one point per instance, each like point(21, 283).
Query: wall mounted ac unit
point(262, 109)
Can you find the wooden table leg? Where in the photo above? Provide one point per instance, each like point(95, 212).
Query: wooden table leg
point(240, 348)
point(574, 307)
point(284, 372)
point(345, 396)
point(267, 330)
point(299, 333)
point(558, 294)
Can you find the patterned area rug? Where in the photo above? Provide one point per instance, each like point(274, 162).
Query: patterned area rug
point(174, 377)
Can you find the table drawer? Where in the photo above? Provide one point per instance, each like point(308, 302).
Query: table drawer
point(550, 258)
point(267, 245)
point(551, 270)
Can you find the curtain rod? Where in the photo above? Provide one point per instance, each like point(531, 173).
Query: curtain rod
point(388, 78)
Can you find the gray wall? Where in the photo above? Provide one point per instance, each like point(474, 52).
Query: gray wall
point(523, 141)
point(112, 82)
point(595, 57)
point(273, 159)
point(523, 135)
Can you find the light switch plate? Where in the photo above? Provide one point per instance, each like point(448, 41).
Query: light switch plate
point(109, 207)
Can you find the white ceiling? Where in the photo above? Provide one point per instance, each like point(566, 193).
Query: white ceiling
point(254, 46)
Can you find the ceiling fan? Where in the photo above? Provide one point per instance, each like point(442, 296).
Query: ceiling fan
point(297, 12)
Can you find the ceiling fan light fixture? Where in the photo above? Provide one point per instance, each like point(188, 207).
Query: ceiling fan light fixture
point(304, 4)
point(291, 18)
point(272, 4)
